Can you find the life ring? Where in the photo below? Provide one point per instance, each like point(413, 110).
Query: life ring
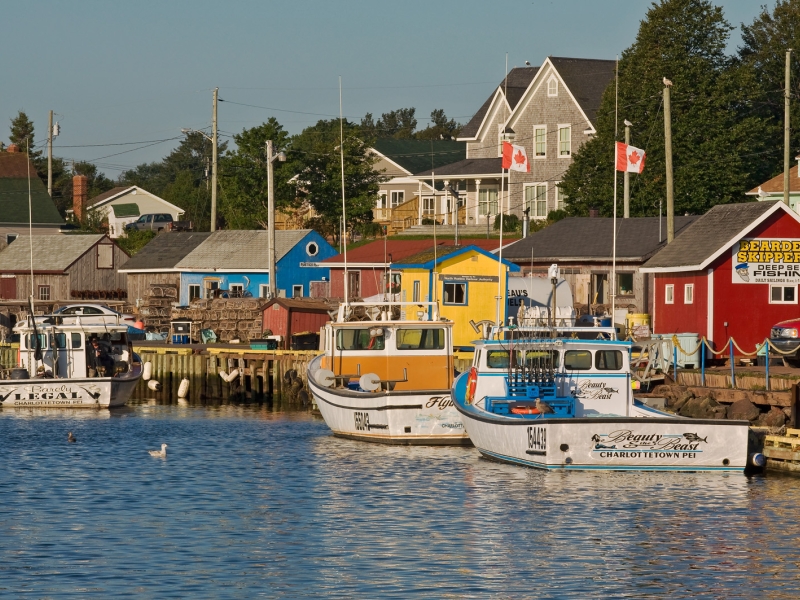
point(472, 383)
point(525, 410)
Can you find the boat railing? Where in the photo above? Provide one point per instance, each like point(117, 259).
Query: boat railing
point(544, 332)
point(386, 311)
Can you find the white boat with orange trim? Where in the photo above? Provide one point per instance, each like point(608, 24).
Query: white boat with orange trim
point(386, 375)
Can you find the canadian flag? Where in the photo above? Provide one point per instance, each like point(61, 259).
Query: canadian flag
point(629, 158)
point(515, 158)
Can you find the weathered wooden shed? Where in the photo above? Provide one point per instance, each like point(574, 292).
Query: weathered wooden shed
point(289, 316)
point(65, 268)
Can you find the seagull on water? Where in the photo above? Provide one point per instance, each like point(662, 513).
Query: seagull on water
point(71, 438)
point(159, 453)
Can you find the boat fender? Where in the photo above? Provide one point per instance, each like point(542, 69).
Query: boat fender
point(233, 375)
point(472, 382)
point(758, 460)
point(148, 371)
point(154, 385)
point(183, 389)
point(224, 375)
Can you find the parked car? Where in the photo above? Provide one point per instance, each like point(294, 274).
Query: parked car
point(152, 222)
point(785, 336)
point(95, 313)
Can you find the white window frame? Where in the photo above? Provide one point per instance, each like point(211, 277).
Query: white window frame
point(771, 301)
point(295, 287)
point(568, 128)
point(43, 292)
point(688, 293)
point(552, 90)
point(382, 202)
point(189, 290)
point(236, 287)
point(669, 293)
point(537, 128)
point(561, 197)
point(533, 205)
point(428, 205)
point(488, 204)
point(401, 194)
point(263, 290)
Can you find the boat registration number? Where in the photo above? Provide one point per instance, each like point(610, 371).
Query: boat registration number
point(537, 438)
point(362, 421)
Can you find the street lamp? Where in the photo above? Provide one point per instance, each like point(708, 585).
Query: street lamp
point(271, 158)
point(213, 140)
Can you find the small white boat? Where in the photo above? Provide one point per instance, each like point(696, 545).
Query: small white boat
point(54, 365)
point(568, 403)
point(386, 375)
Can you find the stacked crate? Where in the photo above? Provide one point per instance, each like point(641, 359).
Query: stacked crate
point(229, 318)
point(157, 309)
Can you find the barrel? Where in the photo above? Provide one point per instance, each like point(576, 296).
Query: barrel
point(634, 320)
point(19, 373)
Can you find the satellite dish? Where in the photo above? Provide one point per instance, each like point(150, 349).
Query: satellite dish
point(369, 382)
point(325, 377)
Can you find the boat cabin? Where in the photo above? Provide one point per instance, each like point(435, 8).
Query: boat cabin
point(576, 378)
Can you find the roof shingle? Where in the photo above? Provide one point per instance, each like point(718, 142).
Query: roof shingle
point(50, 252)
point(165, 250)
point(416, 155)
point(240, 249)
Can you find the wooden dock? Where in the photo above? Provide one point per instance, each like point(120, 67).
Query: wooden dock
point(783, 451)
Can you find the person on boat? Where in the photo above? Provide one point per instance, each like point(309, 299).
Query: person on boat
point(101, 363)
point(139, 324)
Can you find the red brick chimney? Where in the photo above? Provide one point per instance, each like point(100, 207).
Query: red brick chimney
point(12, 148)
point(594, 213)
point(80, 193)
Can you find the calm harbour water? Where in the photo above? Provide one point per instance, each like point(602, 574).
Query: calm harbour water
point(252, 503)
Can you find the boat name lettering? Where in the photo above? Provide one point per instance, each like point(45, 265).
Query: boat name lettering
point(595, 390)
point(537, 438)
point(623, 440)
point(441, 401)
point(40, 392)
point(453, 425)
point(362, 421)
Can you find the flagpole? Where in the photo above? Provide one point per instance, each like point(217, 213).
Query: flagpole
point(614, 236)
point(500, 206)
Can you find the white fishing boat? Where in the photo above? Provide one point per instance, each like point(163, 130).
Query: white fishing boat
point(566, 403)
point(56, 368)
point(386, 374)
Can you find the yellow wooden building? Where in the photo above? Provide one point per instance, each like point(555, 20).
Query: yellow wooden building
point(463, 279)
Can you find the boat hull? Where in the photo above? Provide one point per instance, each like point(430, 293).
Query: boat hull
point(98, 392)
point(407, 418)
point(607, 443)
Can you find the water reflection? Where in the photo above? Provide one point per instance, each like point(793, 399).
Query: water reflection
point(251, 502)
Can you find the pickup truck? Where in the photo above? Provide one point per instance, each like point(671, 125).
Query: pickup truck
point(785, 336)
point(159, 222)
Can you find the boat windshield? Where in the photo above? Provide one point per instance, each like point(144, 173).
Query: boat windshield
point(360, 339)
point(420, 339)
point(499, 359)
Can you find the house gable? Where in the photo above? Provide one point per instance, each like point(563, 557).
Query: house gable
point(147, 202)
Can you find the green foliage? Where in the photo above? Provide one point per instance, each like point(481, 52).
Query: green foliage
point(22, 133)
point(402, 124)
point(440, 128)
point(428, 221)
point(314, 157)
point(134, 240)
point(510, 223)
point(714, 129)
point(370, 230)
point(92, 221)
point(556, 215)
point(244, 181)
point(763, 52)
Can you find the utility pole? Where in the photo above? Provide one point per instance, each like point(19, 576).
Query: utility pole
point(50, 154)
point(273, 274)
point(787, 129)
point(214, 167)
point(668, 152)
point(626, 178)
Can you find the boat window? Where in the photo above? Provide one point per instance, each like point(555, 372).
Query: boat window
point(76, 340)
point(360, 339)
point(577, 360)
point(91, 310)
point(497, 359)
point(29, 341)
point(539, 359)
point(59, 340)
point(608, 360)
point(420, 339)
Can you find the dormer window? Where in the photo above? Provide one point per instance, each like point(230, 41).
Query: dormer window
point(552, 87)
point(503, 135)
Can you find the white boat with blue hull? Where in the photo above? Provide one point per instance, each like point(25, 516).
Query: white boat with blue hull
point(568, 404)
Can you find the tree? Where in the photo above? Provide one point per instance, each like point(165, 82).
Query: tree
point(244, 177)
point(315, 159)
point(97, 181)
point(440, 128)
point(763, 52)
point(22, 129)
point(714, 130)
point(400, 124)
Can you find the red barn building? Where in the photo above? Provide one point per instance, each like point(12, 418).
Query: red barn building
point(732, 273)
point(289, 316)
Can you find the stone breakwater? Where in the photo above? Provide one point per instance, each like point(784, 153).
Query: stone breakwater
point(762, 409)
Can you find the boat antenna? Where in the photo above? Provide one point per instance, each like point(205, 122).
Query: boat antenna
point(30, 210)
point(344, 220)
point(502, 192)
point(613, 281)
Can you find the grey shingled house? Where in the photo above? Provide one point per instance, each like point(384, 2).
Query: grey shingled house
point(582, 247)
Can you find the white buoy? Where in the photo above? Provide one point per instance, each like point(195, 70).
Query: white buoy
point(232, 377)
point(148, 371)
point(183, 389)
point(224, 375)
point(154, 385)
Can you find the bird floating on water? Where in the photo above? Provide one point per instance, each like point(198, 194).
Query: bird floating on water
point(159, 453)
point(71, 438)
point(543, 407)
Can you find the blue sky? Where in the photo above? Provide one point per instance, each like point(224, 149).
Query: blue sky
point(119, 72)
